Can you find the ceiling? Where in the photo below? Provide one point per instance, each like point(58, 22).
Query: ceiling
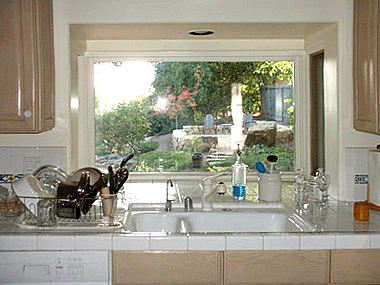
point(223, 31)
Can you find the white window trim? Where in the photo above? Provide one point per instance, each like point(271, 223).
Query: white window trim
point(86, 113)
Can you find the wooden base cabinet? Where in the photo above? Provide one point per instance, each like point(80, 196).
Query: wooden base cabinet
point(26, 66)
point(339, 267)
point(355, 266)
point(277, 267)
point(187, 267)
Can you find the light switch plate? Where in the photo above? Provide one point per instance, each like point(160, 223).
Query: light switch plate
point(356, 173)
point(32, 163)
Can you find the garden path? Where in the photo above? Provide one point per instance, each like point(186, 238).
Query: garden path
point(165, 142)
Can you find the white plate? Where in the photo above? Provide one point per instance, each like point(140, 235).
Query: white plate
point(30, 190)
point(95, 174)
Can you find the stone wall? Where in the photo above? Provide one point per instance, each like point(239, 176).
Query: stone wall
point(203, 139)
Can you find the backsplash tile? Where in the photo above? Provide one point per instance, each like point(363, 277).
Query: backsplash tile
point(5, 160)
point(9, 178)
point(356, 166)
point(16, 160)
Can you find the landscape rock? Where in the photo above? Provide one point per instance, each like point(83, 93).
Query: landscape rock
point(284, 135)
point(261, 132)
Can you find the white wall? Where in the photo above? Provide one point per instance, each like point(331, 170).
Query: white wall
point(68, 12)
point(326, 40)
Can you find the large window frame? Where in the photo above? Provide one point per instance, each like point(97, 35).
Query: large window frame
point(86, 98)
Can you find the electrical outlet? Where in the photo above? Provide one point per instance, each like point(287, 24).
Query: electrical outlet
point(32, 163)
point(361, 179)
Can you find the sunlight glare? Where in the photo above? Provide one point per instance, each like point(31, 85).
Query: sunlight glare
point(116, 84)
point(161, 103)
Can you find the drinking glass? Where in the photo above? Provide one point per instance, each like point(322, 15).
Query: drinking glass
point(46, 213)
point(323, 181)
point(109, 205)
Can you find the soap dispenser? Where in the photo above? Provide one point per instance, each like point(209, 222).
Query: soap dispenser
point(239, 177)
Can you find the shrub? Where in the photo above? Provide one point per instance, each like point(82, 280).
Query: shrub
point(171, 161)
point(164, 123)
point(161, 124)
point(148, 146)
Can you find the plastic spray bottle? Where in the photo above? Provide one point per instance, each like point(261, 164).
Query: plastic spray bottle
point(239, 177)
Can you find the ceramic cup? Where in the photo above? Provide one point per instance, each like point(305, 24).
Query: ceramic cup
point(270, 187)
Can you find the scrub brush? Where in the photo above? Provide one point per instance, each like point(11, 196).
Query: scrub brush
point(272, 160)
point(260, 167)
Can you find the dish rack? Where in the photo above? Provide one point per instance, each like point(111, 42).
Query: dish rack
point(30, 209)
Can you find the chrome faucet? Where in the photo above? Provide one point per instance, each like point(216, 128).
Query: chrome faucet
point(210, 190)
point(168, 203)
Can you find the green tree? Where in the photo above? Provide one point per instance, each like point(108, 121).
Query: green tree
point(124, 127)
point(253, 76)
point(209, 83)
point(178, 82)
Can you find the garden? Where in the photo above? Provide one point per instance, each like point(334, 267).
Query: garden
point(190, 91)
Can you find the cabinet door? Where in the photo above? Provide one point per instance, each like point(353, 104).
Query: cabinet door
point(13, 98)
point(277, 267)
point(366, 66)
point(46, 68)
point(186, 267)
point(355, 266)
point(26, 66)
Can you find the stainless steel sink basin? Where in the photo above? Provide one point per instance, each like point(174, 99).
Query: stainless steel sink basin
point(225, 218)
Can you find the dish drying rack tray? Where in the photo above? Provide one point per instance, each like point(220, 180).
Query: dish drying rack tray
point(94, 218)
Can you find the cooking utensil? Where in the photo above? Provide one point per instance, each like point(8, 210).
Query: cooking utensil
point(122, 176)
point(119, 177)
point(92, 194)
point(125, 160)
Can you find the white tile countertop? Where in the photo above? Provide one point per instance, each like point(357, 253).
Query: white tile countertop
point(10, 241)
point(337, 229)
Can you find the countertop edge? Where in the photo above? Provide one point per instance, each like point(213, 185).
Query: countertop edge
point(188, 242)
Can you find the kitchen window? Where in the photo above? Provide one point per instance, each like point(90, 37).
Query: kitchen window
point(198, 132)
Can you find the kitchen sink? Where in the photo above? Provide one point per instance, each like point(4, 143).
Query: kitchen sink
point(224, 218)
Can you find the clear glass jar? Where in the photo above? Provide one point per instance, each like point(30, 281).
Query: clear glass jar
point(239, 178)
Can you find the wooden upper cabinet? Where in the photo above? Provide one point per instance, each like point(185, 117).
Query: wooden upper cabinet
point(26, 66)
point(366, 66)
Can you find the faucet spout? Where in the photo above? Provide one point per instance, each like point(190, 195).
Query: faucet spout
point(210, 190)
point(168, 203)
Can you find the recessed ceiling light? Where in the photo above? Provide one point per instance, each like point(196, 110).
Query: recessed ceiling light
point(201, 32)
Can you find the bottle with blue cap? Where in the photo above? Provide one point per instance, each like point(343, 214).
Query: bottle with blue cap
point(239, 177)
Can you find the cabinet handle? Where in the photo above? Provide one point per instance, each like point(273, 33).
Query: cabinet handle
point(28, 114)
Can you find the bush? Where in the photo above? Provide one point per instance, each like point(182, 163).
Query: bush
point(259, 153)
point(148, 146)
point(161, 124)
point(171, 161)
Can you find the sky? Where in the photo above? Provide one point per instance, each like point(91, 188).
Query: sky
point(114, 84)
